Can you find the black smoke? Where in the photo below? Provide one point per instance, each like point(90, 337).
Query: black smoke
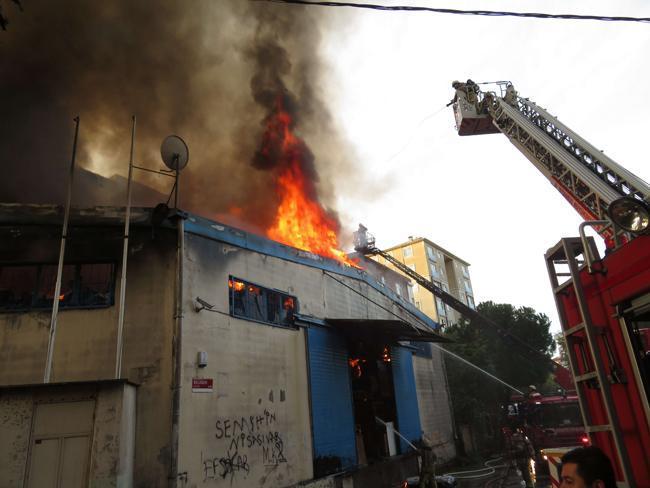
point(208, 71)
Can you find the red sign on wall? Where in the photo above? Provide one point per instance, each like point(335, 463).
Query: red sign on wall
point(201, 385)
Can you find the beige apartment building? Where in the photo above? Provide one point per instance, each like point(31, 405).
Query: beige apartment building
point(443, 268)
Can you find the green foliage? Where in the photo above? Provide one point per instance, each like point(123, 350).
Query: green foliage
point(561, 348)
point(477, 398)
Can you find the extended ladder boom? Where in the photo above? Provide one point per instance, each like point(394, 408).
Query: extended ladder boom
point(586, 177)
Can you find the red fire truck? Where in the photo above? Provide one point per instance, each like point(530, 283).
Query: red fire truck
point(603, 302)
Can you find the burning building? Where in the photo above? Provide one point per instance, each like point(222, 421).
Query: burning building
point(244, 360)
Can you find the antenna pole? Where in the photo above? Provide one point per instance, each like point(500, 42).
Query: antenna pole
point(176, 186)
point(59, 271)
point(125, 255)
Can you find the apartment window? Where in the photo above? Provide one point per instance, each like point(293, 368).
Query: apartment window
point(259, 304)
point(408, 251)
point(32, 286)
point(398, 289)
point(470, 301)
point(431, 253)
point(442, 311)
point(434, 271)
point(465, 271)
point(415, 288)
point(468, 287)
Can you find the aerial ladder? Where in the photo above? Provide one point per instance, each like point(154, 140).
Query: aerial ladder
point(603, 303)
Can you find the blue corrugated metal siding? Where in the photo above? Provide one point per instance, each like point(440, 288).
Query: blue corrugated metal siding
point(406, 400)
point(331, 397)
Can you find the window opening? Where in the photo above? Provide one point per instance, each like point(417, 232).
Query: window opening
point(86, 285)
point(431, 254)
point(637, 323)
point(259, 304)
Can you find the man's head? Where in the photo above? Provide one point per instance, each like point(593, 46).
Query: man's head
point(587, 467)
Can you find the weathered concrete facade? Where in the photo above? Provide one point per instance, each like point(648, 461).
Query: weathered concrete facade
point(94, 419)
point(222, 399)
point(85, 339)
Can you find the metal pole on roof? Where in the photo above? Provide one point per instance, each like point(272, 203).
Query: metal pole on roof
point(59, 271)
point(125, 255)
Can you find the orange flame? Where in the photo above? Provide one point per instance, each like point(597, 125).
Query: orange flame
point(300, 220)
point(237, 285)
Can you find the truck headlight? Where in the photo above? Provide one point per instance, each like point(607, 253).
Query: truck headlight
point(630, 214)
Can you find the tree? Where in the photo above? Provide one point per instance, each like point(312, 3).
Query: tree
point(561, 349)
point(477, 398)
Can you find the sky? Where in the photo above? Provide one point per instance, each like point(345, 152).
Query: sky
point(479, 197)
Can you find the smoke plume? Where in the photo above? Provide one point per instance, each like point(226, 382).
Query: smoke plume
point(207, 71)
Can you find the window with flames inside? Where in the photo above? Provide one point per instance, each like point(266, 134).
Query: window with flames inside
point(253, 302)
point(31, 286)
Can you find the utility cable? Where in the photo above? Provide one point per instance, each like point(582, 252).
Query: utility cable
point(484, 13)
point(379, 305)
point(414, 132)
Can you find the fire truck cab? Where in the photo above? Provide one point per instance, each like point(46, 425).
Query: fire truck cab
point(548, 420)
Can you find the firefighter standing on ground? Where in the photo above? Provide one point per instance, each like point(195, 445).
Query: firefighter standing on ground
point(428, 469)
point(522, 451)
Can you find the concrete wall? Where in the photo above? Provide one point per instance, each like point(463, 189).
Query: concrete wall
point(85, 339)
point(111, 453)
point(16, 409)
point(254, 429)
point(433, 401)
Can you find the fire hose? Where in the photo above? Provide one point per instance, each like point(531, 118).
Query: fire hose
point(488, 470)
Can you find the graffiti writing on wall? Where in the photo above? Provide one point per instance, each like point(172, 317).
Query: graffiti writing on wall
point(246, 438)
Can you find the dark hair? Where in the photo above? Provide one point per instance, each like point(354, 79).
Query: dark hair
point(592, 464)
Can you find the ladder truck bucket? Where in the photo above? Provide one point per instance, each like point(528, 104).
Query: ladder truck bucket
point(470, 110)
point(364, 241)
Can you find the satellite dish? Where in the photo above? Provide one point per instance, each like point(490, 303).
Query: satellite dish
point(174, 153)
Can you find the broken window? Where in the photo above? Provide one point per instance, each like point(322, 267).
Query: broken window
point(32, 286)
point(259, 304)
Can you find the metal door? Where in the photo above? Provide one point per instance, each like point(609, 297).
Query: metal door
point(406, 400)
point(60, 445)
point(331, 397)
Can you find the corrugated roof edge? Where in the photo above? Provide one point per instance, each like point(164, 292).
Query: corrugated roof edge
point(236, 237)
point(48, 214)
